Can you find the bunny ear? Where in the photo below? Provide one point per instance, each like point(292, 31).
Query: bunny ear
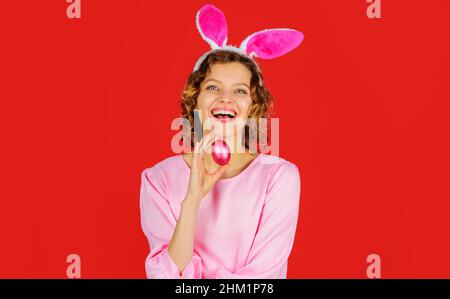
point(271, 43)
point(212, 25)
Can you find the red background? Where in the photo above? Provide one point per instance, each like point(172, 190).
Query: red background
point(86, 105)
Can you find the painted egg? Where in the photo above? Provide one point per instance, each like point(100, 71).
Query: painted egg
point(220, 152)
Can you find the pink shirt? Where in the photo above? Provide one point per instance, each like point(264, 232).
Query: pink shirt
point(245, 225)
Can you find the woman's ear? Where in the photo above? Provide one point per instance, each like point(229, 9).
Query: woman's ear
point(271, 43)
point(212, 25)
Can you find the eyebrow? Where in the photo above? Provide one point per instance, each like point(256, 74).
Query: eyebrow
point(221, 82)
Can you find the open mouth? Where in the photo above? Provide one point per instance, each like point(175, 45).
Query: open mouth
point(223, 114)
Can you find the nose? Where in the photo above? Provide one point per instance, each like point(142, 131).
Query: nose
point(225, 100)
point(226, 97)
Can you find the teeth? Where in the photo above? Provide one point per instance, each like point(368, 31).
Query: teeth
point(215, 112)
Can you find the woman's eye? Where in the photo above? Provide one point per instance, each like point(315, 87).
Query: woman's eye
point(211, 87)
point(241, 91)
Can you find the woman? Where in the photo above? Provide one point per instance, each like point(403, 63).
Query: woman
point(203, 220)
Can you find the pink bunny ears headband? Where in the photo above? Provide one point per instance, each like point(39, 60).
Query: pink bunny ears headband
point(265, 44)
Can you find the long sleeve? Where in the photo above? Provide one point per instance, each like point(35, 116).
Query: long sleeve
point(158, 223)
point(275, 235)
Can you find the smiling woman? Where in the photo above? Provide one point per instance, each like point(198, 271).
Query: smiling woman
point(223, 112)
point(234, 78)
point(238, 220)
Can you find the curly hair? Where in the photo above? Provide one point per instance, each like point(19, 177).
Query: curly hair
point(262, 100)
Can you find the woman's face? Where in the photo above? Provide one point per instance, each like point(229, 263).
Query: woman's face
point(225, 99)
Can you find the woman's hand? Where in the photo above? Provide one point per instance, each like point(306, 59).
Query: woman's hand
point(200, 180)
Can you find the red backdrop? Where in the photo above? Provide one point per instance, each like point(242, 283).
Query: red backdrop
point(86, 105)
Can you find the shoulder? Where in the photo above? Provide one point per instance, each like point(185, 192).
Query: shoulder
point(161, 170)
point(279, 166)
point(282, 173)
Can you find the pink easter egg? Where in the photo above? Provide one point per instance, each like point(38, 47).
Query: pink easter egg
point(220, 152)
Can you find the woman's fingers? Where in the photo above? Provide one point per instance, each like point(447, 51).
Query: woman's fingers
point(219, 171)
point(200, 149)
point(208, 137)
point(206, 143)
point(195, 155)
